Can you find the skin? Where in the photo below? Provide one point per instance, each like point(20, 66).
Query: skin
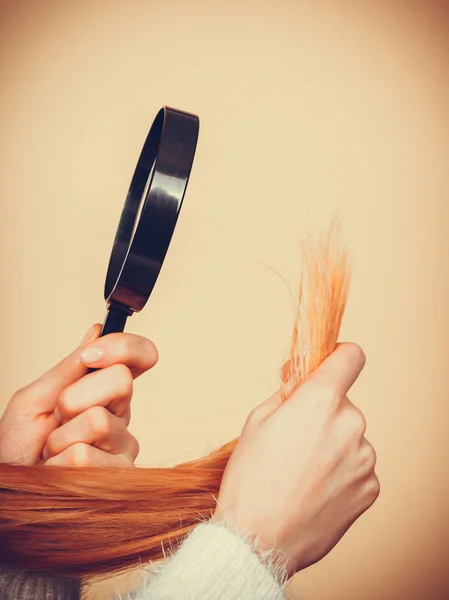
point(302, 471)
point(69, 418)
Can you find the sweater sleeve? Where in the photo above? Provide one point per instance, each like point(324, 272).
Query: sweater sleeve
point(214, 562)
point(20, 585)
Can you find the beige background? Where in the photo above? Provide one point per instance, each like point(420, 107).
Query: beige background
point(306, 108)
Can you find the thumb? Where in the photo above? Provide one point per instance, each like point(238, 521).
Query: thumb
point(268, 407)
point(289, 386)
point(47, 389)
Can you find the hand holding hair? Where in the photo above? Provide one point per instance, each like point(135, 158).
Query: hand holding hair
point(302, 471)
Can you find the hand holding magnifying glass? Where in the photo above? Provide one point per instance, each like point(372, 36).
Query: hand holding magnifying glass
point(59, 397)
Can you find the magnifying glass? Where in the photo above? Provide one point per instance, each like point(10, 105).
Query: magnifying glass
point(149, 215)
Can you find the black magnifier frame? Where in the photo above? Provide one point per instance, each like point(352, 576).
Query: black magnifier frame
point(149, 215)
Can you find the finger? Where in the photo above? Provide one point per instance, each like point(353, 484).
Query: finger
point(97, 427)
point(354, 417)
point(44, 392)
point(138, 353)
point(266, 408)
point(339, 370)
point(83, 455)
point(112, 387)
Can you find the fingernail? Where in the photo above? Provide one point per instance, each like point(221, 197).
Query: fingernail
point(87, 336)
point(92, 354)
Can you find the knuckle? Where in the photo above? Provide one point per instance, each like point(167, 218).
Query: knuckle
point(134, 447)
point(123, 379)
point(372, 490)
point(18, 395)
point(78, 455)
point(359, 422)
point(370, 456)
point(28, 395)
point(50, 447)
point(67, 403)
point(126, 346)
point(254, 417)
point(125, 415)
point(121, 408)
point(99, 420)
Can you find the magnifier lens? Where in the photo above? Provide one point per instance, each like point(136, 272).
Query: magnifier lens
point(149, 215)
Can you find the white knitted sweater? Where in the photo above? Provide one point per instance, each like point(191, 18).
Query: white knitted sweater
point(216, 563)
point(213, 562)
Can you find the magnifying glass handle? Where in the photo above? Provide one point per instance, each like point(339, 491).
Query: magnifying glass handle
point(114, 322)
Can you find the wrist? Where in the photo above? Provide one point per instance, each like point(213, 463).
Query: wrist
point(268, 551)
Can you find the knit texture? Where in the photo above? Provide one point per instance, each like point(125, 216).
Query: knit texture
point(19, 585)
point(214, 562)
